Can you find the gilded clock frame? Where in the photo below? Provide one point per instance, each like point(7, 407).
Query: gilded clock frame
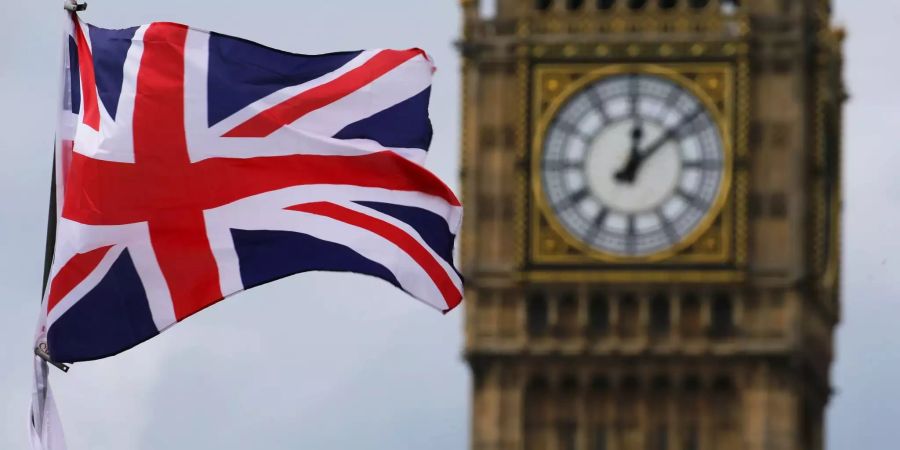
point(546, 82)
point(730, 110)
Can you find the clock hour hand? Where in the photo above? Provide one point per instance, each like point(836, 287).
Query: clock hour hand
point(627, 173)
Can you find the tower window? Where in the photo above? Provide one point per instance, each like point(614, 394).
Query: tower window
point(568, 314)
point(691, 438)
point(725, 403)
point(660, 438)
point(605, 4)
point(573, 5)
point(756, 205)
point(660, 384)
point(637, 4)
point(659, 315)
point(778, 205)
point(537, 410)
point(691, 322)
point(628, 316)
point(537, 315)
point(658, 414)
point(566, 436)
point(689, 404)
point(598, 314)
point(628, 403)
point(697, 4)
point(726, 414)
point(730, 6)
point(566, 413)
point(722, 316)
point(543, 5)
point(598, 405)
point(488, 9)
point(598, 439)
point(667, 4)
point(627, 423)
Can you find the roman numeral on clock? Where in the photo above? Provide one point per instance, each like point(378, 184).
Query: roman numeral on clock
point(597, 225)
point(598, 104)
point(703, 164)
point(691, 199)
point(557, 166)
point(633, 94)
point(573, 199)
point(667, 226)
point(572, 130)
point(631, 233)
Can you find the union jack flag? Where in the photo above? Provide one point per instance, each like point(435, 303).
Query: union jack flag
point(193, 165)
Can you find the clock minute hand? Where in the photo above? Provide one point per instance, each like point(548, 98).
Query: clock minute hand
point(669, 134)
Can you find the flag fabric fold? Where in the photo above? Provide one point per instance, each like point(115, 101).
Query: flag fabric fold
point(193, 165)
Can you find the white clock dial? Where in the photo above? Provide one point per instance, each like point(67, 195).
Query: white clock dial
point(632, 164)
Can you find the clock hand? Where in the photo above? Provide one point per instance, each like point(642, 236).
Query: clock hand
point(628, 172)
point(669, 134)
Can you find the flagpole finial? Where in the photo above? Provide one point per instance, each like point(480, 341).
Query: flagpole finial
point(74, 6)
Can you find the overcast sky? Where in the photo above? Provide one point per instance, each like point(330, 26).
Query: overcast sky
point(325, 361)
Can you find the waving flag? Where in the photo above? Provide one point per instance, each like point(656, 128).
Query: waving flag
point(193, 165)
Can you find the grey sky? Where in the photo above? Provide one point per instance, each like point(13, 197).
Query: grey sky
point(327, 361)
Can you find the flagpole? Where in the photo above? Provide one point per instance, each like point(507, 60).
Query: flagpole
point(45, 430)
point(41, 350)
point(51, 227)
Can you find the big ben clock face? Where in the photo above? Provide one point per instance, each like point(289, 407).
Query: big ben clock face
point(633, 165)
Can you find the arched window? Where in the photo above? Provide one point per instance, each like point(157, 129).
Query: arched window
point(605, 4)
point(697, 4)
point(667, 4)
point(543, 5)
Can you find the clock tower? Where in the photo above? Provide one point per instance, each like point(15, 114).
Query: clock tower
point(652, 232)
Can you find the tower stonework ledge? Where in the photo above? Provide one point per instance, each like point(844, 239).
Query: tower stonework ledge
point(652, 232)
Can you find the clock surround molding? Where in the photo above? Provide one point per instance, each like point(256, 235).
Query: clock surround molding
point(717, 251)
